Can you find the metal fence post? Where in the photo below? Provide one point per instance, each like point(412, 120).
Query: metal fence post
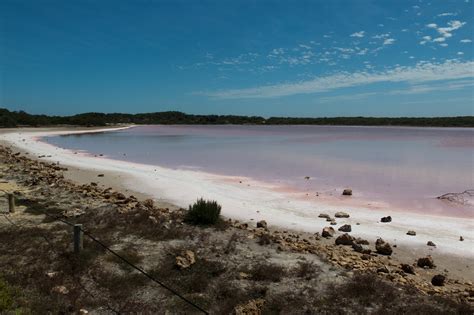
point(78, 238)
point(11, 203)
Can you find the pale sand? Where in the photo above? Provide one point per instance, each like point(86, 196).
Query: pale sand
point(252, 200)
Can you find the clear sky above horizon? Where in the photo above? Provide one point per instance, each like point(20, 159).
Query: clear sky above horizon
point(269, 58)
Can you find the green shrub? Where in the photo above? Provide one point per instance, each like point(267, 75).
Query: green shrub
point(204, 212)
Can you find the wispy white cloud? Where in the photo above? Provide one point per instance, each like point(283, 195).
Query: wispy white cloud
point(465, 41)
point(423, 88)
point(389, 41)
point(447, 14)
point(358, 34)
point(421, 73)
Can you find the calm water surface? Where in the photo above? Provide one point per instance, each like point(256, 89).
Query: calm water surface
point(406, 167)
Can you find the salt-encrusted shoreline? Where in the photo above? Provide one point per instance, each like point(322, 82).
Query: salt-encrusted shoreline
point(254, 200)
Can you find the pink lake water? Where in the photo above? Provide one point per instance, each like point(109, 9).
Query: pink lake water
point(405, 168)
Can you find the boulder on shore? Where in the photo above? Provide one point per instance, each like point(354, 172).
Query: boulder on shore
point(328, 232)
point(262, 224)
point(361, 248)
point(345, 228)
point(426, 262)
point(411, 233)
point(347, 192)
point(386, 219)
point(324, 216)
point(345, 239)
point(341, 214)
point(408, 268)
point(430, 243)
point(383, 247)
point(438, 280)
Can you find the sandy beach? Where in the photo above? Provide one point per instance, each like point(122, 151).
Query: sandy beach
point(249, 201)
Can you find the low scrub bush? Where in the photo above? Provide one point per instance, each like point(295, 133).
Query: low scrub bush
point(204, 212)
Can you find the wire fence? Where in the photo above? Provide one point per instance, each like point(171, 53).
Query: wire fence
point(78, 227)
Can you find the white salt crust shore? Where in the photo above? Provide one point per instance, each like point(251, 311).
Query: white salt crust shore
point(257, 200)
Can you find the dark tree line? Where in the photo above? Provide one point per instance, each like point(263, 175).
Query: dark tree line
point(21, 118)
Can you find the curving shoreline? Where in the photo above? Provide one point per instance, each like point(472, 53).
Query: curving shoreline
point(259, 200)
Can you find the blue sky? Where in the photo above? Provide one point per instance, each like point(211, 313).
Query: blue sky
point(270, 58)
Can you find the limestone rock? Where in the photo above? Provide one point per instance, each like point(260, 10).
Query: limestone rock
point(345, 239)
point(383, 247)
point(262, 224)
point(328, 232)
point(186, 260)
point(361, 248)
point(252, 307)
point(341, 214)
point(426, 262)
point(345, 228)
point(347, 192)
point(408, 268)
point(438, 280)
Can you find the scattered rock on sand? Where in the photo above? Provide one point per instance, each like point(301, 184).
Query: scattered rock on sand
point(461, 238)
point(360, 248)
point(362, 241)
point(328, 232)
point(411, 233)
point(345, 228)
point(341, 214)
point(186, 259)
point(386, 219)
point(100, 175)
point(438, 280)
point(430, 243)
point(333, 222)
point(426, 262)
point(262, 224)
point(345, 239)
point(324, 215)
point(408, 268)
point(383, 247)
point(252, 307)
point(347, 192)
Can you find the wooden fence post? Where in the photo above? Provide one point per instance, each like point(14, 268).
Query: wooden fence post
point(11, 203)
point(78, 238)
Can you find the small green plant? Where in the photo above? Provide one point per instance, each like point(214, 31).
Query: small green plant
point(204, 212)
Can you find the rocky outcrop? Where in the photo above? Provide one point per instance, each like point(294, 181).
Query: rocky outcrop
point(383, 247)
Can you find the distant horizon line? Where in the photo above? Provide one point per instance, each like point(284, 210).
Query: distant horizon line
point(234, 115)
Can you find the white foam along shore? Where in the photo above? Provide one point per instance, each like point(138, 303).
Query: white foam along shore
point(253, 200)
